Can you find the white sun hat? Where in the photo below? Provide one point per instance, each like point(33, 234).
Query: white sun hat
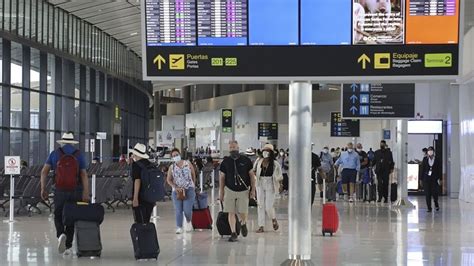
point(140, 151)
point(68, 138)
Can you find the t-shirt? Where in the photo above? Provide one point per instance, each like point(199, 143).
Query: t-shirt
point(362, 156)
point(55, 155)
point(137, 171)
point(243, 166)
point(315, 164)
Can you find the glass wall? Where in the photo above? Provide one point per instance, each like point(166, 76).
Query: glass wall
point(47, 95)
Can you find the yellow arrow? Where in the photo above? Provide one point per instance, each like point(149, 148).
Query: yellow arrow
point(364, 59)
point(159, 60)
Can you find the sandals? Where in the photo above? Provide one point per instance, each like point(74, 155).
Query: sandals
point(275, 224)
point(260, 230)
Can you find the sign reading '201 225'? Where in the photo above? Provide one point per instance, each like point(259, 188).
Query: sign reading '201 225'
point(234, 39)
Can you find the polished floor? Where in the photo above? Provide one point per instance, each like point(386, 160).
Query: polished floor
point(370, 234)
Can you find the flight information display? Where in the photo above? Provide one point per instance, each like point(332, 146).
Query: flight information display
point(222, 22)
point(171, 22)
point(314, 39)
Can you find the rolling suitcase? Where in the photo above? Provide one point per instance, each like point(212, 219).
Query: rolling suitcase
point(145, 241)
point(393, 192)
point(330, 222)
point(88, 239)
point(201, 218)
point(222, 223)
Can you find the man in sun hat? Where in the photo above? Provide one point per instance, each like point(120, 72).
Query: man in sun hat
point(71, 184)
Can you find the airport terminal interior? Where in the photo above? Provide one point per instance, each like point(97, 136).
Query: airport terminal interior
point(237, 132)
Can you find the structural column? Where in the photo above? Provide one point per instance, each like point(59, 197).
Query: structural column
point(272, 90)
point(453, 144)
point(299, 206)
point(157, 120)
point(402, 160)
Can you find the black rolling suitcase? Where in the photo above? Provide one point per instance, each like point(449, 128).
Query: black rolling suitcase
point(222, 223)
point(88, 239)
point(145, 241)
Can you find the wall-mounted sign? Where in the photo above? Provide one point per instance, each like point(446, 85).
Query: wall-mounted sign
point(344, 127)
point(269, 130)
point(101, 135)
point(192, 133)
point(386, 134)
point(227, 120)
point(378, 101)
point(12, 165)
point(204, 40)
point(117, 113)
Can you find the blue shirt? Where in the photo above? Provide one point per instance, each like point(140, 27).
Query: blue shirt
point(53, 158)
point(349, 160)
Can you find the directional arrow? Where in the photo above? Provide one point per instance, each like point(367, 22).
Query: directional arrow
point(354, 98)
point(353, 110)
point(158, 60)
point(354, 87)
point(364, 59)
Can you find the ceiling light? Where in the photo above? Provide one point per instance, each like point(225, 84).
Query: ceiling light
point(133, 33)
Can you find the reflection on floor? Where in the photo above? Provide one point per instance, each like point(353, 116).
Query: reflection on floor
point(370, 234)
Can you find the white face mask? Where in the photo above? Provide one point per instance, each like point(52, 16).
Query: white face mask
point(359, 150)
point(177, 158)
point(325, 151)
point(265, 154)
point(430, 153)
point(282, 153)
point(349, 150)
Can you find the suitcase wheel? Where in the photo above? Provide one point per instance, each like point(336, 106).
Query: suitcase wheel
point(331, 234)
point(324, 233)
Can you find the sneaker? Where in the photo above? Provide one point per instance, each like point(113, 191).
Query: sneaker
point(68, 252)
point(275, 224)
point(351, 200)
point(260, 230)
point(62, 244)
point(179, 230)
point(233, 237)
point(430, 210)
point(437, 209)
point(189, 227)
point(244, 230)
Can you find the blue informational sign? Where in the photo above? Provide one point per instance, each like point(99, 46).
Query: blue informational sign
point(386, 134)
point(321, 26)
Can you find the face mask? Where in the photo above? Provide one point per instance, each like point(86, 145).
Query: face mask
point(282, 153)
point(382, 146)
point(430, 153)
point(266, 154)
point(333, 154)
point(325, 151)
point(349, 150)
point(359, 150)
point(177, 158)
point(234, 154)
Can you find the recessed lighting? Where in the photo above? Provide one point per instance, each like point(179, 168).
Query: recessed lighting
point(133, 33)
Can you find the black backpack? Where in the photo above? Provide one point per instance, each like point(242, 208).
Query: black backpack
point(152, 187)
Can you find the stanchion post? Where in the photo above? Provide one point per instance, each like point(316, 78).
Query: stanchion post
point(201, 180)
point(213, 183)
point(93, 183)
point(12, 200)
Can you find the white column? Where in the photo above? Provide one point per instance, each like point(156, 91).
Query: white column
point(402, 154)
point(299, 209)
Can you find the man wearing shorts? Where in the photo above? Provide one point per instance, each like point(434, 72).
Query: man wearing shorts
point(350, 168)
point(236, 180)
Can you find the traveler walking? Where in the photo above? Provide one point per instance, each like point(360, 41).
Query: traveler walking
point(384, 166)
point(236, 179)
point(269, 177)
point(432, 172)
point(182, 179)
point(350, 163)
point(71, 185)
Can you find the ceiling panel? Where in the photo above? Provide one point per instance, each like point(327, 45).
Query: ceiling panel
point(120, 19)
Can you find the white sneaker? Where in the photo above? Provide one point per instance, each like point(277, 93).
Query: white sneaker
point(62, 244)
point(351, 200)
point(179, 230)
point(68, 252)
point(189, 227)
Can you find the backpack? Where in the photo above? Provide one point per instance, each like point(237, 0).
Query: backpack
point(67, 171)
point(152, 187)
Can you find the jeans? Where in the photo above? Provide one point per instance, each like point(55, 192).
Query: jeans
point(266, 198)
point(184, 206)
point(60, 199)
point(142, 213)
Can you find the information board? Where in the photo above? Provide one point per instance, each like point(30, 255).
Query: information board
point(344, 127)
point(227, 123)
point(233, 40)
point(378, 101)
point(268, 130)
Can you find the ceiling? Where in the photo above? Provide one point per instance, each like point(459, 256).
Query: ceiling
point(120, 19)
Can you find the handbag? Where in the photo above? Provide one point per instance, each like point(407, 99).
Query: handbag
point(181, 194)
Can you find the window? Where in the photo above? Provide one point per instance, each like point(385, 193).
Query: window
point(51, 72)
point(16, 75)
point(15, 142)
point(34, 109)
point(15, 107)
point(34, 148)
point(50, 112)
point(35, 69)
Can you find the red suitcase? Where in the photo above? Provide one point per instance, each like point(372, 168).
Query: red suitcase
point(330, 215)
point(202, 219)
